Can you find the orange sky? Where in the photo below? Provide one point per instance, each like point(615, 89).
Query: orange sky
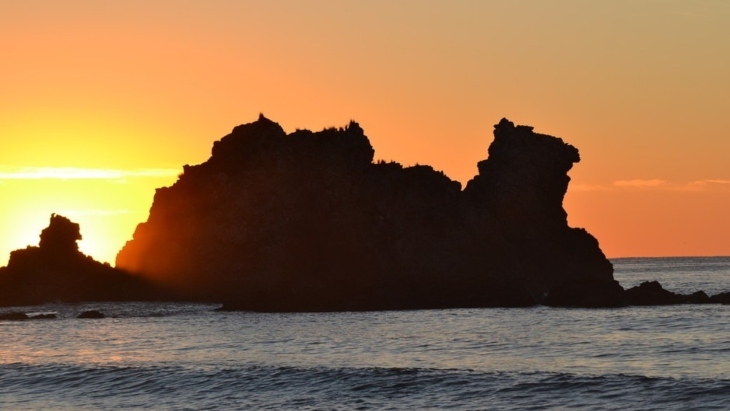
point(101, 102)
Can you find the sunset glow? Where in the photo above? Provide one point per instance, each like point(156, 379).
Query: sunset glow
point(68, 173)
point(102, 102)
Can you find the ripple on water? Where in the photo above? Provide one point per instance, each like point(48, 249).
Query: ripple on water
point(186, 356)
point(25, 387)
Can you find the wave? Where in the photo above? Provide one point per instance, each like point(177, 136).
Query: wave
point(161, 387)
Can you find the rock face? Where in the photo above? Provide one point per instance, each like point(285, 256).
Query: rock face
point(57, 271)
point(307, 221)
point(586, 293)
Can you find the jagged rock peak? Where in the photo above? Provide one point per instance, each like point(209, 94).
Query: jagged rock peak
point(251, 144)
point(505, 125)
point(525, 168)
point(532, 146)
point(61, 234)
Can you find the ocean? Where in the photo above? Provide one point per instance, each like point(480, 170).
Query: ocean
point(177, 356)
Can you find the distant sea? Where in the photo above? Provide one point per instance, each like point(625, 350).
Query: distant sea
point(150, 356)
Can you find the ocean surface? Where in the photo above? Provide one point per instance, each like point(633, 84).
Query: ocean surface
point(152, 356)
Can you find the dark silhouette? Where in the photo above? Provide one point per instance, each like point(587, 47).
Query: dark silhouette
point(20, 316)
point(307, 222)
point(588, 292)
point(652, 293)
point(722, 298)
point(60, 236)
point(91, 314)
point(14, 316)
point(57, 271)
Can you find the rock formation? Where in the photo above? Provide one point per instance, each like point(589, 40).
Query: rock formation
point(307, 221)
point(652, 293)
point(722, 298)
point(57, 271)
point(91, 314)
point(20, 316)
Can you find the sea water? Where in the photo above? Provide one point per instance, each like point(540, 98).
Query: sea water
point(151, 356)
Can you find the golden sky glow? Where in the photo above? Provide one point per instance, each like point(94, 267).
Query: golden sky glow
point(101, 102)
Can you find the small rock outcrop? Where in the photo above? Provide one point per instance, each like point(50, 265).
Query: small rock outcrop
point(14, 316)
point(91, 314)
point(652, 293)
point(698, 297)
point(57, 271)
point(20, 316)
point(722, 298)
point(307, 221)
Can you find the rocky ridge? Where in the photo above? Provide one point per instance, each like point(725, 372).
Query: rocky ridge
point(307, 221)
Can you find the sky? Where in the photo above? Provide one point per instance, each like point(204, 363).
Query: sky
point(102, 102)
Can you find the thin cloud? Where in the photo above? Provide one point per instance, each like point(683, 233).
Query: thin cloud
point(640, 183)
point(72, 173)
point(656, 184)
point(708, 185)
point(588, 187)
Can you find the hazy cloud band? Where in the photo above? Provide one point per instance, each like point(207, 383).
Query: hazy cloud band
point(71, 173)
point(655, 184)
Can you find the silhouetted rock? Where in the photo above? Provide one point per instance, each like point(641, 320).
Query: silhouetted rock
point(13, 316)
point(652, 293)
point(699, 297)
point(57, 271)
point(93, 314)
point(19, 316)
point(60, 236)
point(722, 298)
point(307, 222)
point(587, 293)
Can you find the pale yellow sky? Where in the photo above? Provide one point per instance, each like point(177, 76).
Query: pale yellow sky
point(640, 87)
